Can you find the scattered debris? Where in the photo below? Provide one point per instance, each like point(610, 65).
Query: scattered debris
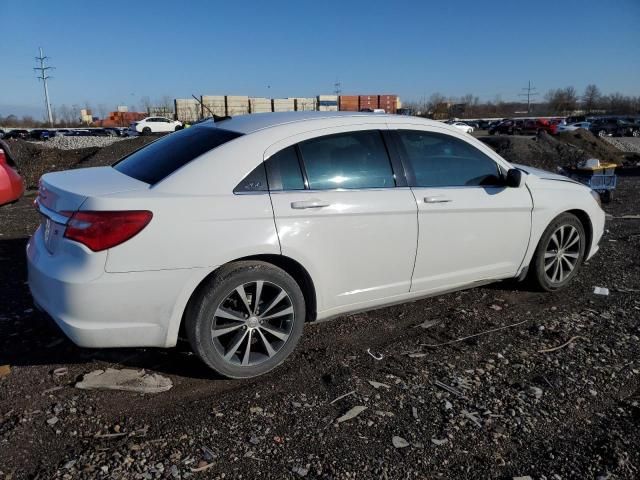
point(59, 372)
point(601, 290)
point(374, 356)
point(341, 397)
point(352, 413)
point(378, 385)
point(568, 342)
point(399, 442)
point(449, 389)
point(439, 442)
point(526, 477)
point(52, 421)
point(473, 336)
point(417, 355)
point(202, 466)
point(473, 417)
point(497, 308)
point(126, 379)
point(4, 370)
point(428, 324)
point(300, 471)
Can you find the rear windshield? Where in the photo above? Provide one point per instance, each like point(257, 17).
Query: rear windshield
point(161, 158)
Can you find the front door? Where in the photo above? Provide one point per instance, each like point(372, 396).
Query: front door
point(471, 226)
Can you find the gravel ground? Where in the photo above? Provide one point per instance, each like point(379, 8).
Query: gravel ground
point(492, 406)
point(71, 143)
point(626, 144)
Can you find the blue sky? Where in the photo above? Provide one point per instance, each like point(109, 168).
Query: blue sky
point(115, 52)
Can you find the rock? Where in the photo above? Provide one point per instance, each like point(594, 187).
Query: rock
point(536, 392)
point(300, 471)
point(256, 410)
point(52, 420)
point(497, 308)
point(58, 372)
point(352, 413)
point(399, 442)
point(254, 440)
point(438, 442)
point(526, 477)
point(4, 370)
point(125, 379)
point(378, 385)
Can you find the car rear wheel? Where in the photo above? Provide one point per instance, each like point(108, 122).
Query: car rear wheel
point(246, 320)
point(635, 133)
point(146, 131)
point(559, 254)
point(602, 133)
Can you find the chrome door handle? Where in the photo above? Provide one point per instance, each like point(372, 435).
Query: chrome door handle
point(299, 205)
point(436, 200)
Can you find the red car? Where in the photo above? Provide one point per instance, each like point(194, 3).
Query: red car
point(11, 183)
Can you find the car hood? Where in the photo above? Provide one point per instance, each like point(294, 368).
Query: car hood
point(543, 174)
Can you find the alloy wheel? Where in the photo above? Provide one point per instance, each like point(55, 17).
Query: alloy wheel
point(252, 323)
point(562, 253)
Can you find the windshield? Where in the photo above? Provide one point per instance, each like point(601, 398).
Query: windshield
point(159, 159)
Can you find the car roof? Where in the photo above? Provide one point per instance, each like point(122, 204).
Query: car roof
point(260, 121)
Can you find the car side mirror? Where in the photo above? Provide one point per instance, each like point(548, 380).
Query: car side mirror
point(514, 178)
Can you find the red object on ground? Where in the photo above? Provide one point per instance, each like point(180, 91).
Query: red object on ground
point(11, 183)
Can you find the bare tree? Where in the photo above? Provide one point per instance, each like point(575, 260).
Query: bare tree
point(102, 110)
point(562, 100)
point(145, 104)
point(591, 98)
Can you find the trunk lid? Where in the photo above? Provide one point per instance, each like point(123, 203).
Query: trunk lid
point(67, 191)
point(62, 193)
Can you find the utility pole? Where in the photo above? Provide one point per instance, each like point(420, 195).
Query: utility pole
point(530, 92)
point(44, 76)
point(337, 87)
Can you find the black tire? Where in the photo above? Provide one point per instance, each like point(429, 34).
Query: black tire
point(178, 127)
point(146, 131)
point(602, 133)
point(201, 319)
point(538, 274)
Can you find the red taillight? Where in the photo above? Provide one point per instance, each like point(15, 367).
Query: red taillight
point(102, 230)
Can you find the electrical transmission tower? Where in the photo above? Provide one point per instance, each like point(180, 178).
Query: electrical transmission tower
point(42, 69)
point(337, 87)
point(530, 92)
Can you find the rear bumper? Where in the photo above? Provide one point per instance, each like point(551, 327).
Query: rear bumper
point(133, 309)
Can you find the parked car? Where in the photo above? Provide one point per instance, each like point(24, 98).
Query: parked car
point(39, 134)
point(483, 125)
point(17, 133)
point(11, 183)
point(462, 126)
point(507, 126)
point(240, 231)
point(547, 125)
point(150, 125)
point(573, 126)
point(611, 127)
point(1, 133)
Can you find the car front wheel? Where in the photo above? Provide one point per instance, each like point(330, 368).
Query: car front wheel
point(246, 320)
point(559, 254)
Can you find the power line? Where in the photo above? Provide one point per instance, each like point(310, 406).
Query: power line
point(530, 92)
point(44, 76)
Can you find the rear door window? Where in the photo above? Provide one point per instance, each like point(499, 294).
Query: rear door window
point(159, 159)
point(347, 160)
point(283, 170)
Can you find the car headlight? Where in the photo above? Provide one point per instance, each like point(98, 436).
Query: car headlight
point(596, 197)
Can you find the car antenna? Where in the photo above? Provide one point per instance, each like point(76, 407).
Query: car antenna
point(216, 118)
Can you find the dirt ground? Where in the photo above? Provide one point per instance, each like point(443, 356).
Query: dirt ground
point(491, 406)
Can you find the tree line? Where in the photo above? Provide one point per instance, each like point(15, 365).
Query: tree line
point(561, 101)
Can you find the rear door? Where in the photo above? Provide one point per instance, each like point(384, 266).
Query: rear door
point(341, 212)
point(472, 228)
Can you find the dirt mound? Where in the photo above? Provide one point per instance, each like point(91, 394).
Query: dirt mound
point(33, 160)
point(595, 146)
point(551, 153)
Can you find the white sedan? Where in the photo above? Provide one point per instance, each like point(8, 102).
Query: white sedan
point(462, 126)
point(574, 126)
point(238, 232)
point(150, 125)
